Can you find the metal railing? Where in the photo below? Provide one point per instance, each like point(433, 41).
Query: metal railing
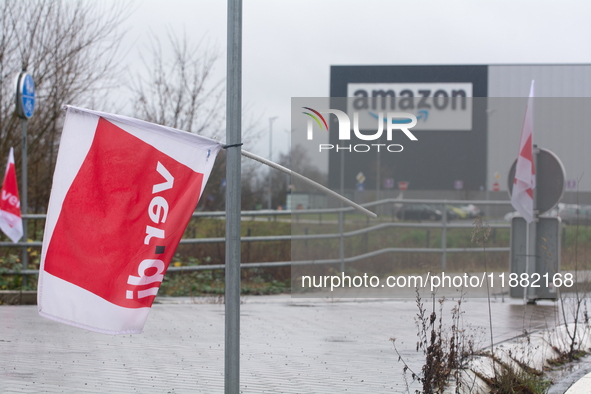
point(444, 224)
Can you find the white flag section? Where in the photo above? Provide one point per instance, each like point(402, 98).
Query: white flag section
point(11, 223)
point(522, 197)
point(123, 193)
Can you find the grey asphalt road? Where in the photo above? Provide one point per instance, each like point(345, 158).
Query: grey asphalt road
point(287, 346)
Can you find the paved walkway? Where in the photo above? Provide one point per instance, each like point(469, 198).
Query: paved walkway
point(583, 386)
point(288, 346)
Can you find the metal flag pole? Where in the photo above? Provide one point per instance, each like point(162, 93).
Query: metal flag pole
point(233, 173)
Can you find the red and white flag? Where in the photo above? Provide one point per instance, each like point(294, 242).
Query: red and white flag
point(10, 205)
point(522, 197)
point(123, 193)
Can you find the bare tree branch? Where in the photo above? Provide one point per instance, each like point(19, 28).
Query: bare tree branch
point(70, 49)
point(177, 88)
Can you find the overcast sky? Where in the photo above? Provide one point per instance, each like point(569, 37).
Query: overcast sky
point(289, 46)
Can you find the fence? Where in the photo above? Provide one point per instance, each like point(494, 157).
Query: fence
point(341, 235)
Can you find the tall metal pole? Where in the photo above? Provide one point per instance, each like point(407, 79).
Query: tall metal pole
point(233, 172)
point(23, 198)
point(269, 205)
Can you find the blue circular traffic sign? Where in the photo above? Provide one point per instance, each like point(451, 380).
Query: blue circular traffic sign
point(26, 96)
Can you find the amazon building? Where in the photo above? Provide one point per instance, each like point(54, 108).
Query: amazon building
point(468, 125)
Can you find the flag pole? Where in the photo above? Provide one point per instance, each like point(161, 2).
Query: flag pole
point(233, 174)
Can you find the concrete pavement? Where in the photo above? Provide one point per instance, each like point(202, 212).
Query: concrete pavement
point(287, 345)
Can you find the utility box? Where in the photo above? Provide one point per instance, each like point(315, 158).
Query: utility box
point(546, 262)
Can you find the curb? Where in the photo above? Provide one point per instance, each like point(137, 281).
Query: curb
point(581, 386)
point(18, 297)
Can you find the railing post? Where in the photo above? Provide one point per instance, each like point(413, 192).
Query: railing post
point(443, 236)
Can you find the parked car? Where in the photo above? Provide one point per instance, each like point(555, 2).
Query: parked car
point(455, 213)
point(552, 214)
point(418, 212)
point(509, 216)
point(576, 214)
point(567, 212)
point(471, 210)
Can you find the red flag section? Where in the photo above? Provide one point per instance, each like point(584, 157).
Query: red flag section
point(117, 212)
point(129, 212)
point(10, 207)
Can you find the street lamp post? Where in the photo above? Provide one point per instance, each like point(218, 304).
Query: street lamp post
point(271, 120)
point(288, 179)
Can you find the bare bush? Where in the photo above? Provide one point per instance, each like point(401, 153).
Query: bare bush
point(445, 350)
point(573, 304)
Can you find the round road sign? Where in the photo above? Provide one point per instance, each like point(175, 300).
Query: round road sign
point(403, 185)
point(550, 180)
point(25, 95)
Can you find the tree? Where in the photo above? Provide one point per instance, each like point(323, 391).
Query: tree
point(301, 163)
point(70, 50)
point(253, 191)
point(177, 89)
point(279, 182)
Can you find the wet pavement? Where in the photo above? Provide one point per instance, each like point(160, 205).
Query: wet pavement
point(287, 346)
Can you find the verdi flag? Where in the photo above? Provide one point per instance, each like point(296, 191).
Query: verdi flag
point(522, 196)
point(123, 193)
point(10, 207)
